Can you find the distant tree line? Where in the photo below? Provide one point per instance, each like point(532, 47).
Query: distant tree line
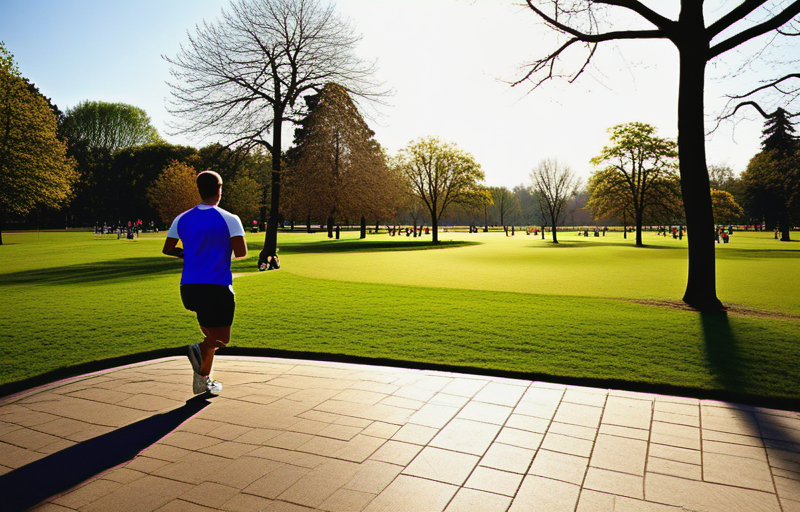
point(105, 164)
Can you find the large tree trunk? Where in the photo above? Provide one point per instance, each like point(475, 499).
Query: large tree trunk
point(555, 237)
point(330, 226)
point(701, 290)
point(363, 227)
point(639, 223)
point(434, 211)
point(2, 226)
point(271, 235)
point(784, 223)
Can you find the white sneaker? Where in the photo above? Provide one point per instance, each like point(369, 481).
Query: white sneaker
point(213, 386)
point(205, 384)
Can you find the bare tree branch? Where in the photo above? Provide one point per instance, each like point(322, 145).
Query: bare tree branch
point(733, 16)
point(792, 93)
point(772, 23)
point(663, 23)
point(772, 83)
point(549, 61)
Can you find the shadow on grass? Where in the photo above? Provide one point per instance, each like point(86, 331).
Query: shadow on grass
point(747, 253)
point(726, 363)
point(722, 353)
point(112, 270)
point(568, 243)
point(33, 483)
point(343, 246)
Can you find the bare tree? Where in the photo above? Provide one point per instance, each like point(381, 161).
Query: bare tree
point(505, 203)
point(554, 184)
point(698, 43)
point(240, 78)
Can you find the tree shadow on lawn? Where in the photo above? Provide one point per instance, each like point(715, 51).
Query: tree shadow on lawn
point(349, 246)
point(726, 363)
point(111, 270)
point(746, 253)
point(33, 483)
point(722, 353)
point(565, 244)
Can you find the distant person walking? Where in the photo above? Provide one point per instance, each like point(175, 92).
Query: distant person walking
point(209, 235)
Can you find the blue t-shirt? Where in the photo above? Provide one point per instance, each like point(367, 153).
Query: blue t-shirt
point(206, 233)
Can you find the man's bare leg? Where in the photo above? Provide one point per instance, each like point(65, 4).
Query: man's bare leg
point(215, 337)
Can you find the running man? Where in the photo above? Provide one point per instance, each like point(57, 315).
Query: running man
point(209, 236)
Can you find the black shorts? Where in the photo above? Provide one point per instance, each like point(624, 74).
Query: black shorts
point(213, 303)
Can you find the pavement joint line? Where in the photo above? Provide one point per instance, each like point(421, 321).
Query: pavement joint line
point(591, 452)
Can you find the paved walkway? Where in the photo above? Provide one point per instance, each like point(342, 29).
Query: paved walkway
point(303, 435)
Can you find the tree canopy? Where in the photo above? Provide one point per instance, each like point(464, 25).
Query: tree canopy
point(440, 174)
point(638, 166)
point(7, 62)
point(726, 209)
point(34, 167)
point(771, 185)
point(337, 168)
point(174, 191)
point(108, 127)
point(722, 177)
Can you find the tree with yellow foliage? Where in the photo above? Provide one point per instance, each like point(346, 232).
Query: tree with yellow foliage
point(34, 167)
point(174, 191)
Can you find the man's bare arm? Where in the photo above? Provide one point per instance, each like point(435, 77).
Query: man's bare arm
point(239, 246)
point(171, 248)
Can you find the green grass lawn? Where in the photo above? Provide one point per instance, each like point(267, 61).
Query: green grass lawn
point(486, 301)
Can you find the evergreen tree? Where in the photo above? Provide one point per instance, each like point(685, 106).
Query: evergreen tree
point(338, 169)
point(779, 134)
point(772, 179)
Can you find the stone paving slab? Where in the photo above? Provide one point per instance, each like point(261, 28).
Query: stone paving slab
point(305, 435)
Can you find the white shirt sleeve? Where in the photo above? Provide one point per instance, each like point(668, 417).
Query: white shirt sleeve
point(235, 227)
point(173, 229)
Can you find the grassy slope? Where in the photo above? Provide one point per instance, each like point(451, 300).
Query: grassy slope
point(513, 303)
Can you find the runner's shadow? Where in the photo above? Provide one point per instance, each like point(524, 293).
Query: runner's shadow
point(33, 483)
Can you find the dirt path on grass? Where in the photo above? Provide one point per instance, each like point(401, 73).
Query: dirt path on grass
point(735, 309)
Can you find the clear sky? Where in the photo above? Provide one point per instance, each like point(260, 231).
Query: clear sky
point(448, 62)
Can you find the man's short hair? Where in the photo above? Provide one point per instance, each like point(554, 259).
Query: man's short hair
point(208, 184)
